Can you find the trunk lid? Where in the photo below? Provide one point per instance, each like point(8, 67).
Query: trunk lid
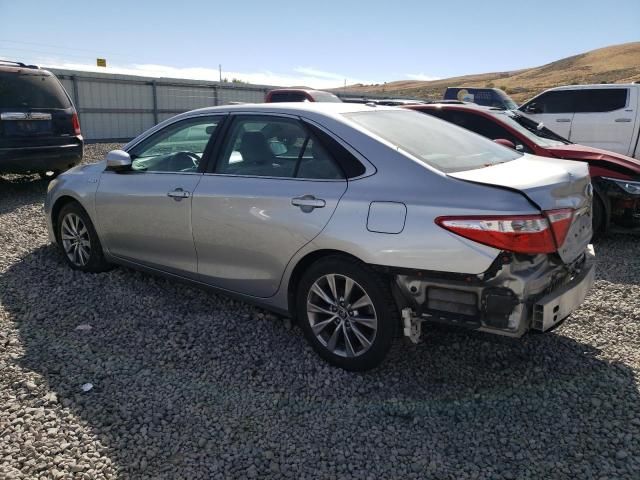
point(550, 185)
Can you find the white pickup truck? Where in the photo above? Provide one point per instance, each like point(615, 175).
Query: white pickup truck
point(601, 116)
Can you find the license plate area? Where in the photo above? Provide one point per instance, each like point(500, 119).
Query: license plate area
point(25, 128)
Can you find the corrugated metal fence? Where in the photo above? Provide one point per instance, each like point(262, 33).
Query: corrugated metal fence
point(116, 107)
point(119, 107)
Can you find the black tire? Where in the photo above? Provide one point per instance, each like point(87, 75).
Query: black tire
point(94, 262)
point(382, 305)
point(599, 217)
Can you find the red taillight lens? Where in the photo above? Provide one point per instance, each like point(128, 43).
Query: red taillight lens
point(560, 221)
point(514, 233)
point(75, 121)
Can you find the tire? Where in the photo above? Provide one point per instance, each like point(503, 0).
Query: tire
point(78, 240)
point(598, 219)
point(370, 326)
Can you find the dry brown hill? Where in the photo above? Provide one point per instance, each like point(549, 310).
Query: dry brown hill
point(614, 64)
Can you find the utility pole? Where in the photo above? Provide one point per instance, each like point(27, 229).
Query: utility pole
point(220, 72)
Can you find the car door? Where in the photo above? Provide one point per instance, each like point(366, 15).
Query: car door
point(605, 118)
point(145, 213)
point(273, 188)
point(554, 108)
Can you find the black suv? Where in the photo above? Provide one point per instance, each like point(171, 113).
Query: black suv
point(39, 127)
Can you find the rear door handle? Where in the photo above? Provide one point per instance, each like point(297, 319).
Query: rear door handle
point(178, 194)
point(307, 203)
point(622, 120)
point(563, 120)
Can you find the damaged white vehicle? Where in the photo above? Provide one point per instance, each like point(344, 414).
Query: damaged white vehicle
point(360, 221)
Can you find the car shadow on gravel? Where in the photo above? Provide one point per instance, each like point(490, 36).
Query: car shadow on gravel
point(190, 384)
point(19, 190)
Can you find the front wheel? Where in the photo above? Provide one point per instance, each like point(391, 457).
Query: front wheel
point(347, 313)
point(79, 241)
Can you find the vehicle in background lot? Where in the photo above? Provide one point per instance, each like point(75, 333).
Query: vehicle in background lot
point(299, 95)
point(389, 102)
point(601, 116)
point(488, 97)
point(358, 220)
point(39, 127)
point(615, 177)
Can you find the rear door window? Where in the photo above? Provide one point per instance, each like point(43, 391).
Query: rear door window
point(22, 90)
point(288, 97)
point(599, 100)
point(264, 146)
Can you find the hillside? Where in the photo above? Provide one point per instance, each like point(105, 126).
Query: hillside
point(614, 64)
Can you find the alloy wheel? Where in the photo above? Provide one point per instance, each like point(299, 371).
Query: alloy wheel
point(342, 315)
point(75, 239)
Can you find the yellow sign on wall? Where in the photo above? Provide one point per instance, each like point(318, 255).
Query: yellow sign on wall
point(101, 62)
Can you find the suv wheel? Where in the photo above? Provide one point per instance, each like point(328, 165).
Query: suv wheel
point(79, 241)
point(347, 313)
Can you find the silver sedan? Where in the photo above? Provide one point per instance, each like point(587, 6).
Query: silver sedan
point(360, 221)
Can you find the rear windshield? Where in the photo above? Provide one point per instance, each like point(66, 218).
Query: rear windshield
point(325, 97)
point(28, 90)
point(437, 143)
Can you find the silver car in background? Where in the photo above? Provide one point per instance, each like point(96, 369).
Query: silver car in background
point(361, 221)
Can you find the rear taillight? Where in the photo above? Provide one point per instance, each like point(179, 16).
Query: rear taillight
point(75, 121)
point(543, 233)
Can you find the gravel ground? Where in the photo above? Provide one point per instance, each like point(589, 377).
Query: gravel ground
point(187, 384)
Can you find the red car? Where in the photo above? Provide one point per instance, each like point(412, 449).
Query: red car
point(299, 95)
point(615, 177)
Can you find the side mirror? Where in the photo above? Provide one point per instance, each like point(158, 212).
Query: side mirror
point(118, 160)
point(506, 143)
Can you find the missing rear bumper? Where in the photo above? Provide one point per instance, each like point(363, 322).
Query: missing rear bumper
point(554, 307)
point(536, 292)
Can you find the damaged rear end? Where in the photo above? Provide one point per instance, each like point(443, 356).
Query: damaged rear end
point(544, 264)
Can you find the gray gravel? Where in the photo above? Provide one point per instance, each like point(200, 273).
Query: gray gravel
point(187, 384)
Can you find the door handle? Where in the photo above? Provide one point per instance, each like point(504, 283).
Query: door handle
point(178, 194)
point(563, 120)
point(307, 203)
point(622, 120)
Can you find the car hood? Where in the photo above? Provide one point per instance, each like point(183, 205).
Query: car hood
point(603, 158)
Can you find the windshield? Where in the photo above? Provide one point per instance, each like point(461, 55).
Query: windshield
point(540, 136)
point(325, 97)
point(437, 143)
point(28, 90)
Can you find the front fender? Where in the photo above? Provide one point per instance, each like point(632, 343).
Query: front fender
point(78, 184)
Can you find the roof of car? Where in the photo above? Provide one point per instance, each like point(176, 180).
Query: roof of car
point(595, 85)
point(307, 90)
point(329, 108)
point(453, 106)
point(15, 67)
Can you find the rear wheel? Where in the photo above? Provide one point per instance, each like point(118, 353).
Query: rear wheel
point(79, 241)
point(347, 313)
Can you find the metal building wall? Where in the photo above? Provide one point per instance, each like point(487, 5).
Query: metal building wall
point(119, 107)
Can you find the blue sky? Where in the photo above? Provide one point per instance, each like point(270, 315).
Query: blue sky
point(319, 44)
